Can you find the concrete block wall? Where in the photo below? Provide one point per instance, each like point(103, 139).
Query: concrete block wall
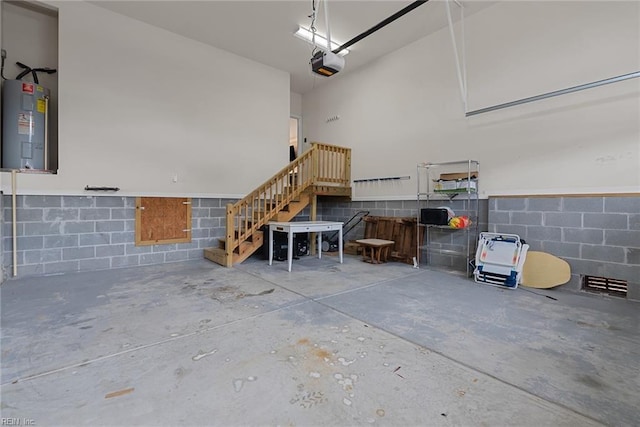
point(445, 239)
point(340, 210)
point(597, 236)
point(60, 234)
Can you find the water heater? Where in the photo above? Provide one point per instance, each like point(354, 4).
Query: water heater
point(25, 111)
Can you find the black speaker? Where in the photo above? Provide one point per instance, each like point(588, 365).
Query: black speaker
point(300, 244)
point(281, 245)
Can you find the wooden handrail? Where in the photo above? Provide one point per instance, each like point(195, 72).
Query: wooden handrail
point(323, 164)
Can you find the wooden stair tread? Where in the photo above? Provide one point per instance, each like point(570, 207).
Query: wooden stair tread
point(257, 236)
point(216, 255)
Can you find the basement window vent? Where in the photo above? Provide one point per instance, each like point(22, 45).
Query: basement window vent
point(605, 285)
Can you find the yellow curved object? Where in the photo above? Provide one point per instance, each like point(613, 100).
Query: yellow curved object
point(542, 270)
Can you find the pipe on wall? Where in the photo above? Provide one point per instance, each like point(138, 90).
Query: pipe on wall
point(14, 225)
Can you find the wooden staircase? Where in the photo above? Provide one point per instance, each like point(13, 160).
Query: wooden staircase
point(324, 170)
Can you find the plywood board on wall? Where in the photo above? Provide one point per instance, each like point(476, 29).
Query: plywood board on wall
point(162, 220)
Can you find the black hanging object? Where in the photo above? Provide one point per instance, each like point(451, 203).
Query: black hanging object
point(89, 188)
point(34, 72)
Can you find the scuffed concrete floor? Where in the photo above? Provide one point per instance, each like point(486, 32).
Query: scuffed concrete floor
point(328, 344)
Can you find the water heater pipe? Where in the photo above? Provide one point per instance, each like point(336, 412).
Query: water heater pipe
point(14, 225)
point(46, 133)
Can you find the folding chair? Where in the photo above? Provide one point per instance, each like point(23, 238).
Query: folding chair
point(500, 259)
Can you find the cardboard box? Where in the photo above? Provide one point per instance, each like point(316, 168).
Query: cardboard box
point(457, 175)
point(445, 185)
point(466, 184)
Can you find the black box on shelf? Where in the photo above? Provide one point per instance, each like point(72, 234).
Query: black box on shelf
point(434, 216)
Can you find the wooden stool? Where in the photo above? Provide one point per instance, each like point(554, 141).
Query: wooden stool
point(379, 249)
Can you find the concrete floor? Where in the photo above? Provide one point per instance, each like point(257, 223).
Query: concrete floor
point(328, 344)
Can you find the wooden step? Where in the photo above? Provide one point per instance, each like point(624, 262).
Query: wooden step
point(258, 215)
point(279, 197)
point(216, 255)
point(250, 246)
point(289, 211)
point(244, 251)
point(285, 207)
point(294, 209)
point(257, 237)
point(331, 190)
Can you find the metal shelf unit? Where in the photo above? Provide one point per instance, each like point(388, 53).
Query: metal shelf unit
point(442, 245)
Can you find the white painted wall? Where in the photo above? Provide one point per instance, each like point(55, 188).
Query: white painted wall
point(1, 45)
point(2, 216)
point(138, 105)
point(406, 107)
point(295, 129)
point(296, 104)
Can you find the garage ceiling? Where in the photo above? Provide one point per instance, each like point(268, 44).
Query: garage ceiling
point(263, 30)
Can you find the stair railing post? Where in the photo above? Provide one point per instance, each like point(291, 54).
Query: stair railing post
point(314, 216)
point(347, 167)
point(315, 160)
point(230, 239)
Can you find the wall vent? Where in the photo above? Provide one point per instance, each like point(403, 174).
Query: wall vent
point(605, 285)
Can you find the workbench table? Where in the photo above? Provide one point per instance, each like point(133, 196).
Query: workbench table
point(303, 227)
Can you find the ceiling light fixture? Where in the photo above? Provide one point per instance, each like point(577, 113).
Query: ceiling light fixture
point(320, 41)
